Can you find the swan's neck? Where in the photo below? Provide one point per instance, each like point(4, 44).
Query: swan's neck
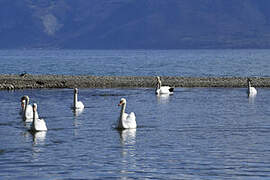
point(249, 86)
point(158, 84)
point(123, 109)
point(34, 118)
point(25, 107)
point(24, 112)
point(120, 124)
point(75, 100)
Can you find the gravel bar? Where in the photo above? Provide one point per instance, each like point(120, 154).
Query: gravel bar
point(27, 81)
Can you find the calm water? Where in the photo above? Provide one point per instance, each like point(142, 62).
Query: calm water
point(137, 62)
point(197, 133)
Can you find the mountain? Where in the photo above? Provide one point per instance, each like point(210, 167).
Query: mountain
point(134, 24)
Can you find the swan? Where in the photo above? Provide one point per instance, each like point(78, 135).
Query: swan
point(251, 90)
point(28, 110)
point(163, 89)
point(77, 104)
point(37, 124)
point(126, 121)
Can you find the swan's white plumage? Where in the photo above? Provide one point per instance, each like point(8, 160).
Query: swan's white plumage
point(126, 121)
point(28, 110)
point(251, 90)
point(28, 113)
point(38, 124)
point(163, 89)
point(77, 104)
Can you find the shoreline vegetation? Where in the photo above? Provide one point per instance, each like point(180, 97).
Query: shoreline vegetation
point(28, 81)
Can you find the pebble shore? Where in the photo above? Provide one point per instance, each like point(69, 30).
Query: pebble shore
point(27, 81)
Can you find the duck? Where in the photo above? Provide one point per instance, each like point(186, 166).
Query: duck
point(163, 89)
point(77, 105)
point(251, 91)
point(37, 124)
point(126, 121)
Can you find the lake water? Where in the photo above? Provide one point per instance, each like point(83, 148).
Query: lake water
point(196, 133)
point(194, 63)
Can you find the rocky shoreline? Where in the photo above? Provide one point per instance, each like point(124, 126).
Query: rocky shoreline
point(26, 81)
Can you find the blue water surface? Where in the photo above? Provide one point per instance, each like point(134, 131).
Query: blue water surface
point(192, 63)
point(196, 133)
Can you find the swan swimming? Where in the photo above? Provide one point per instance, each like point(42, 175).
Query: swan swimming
point(27, 112)
point(251, 90)
point(126, 121)
point(163, 89)
point(37, 124)
point(77, 104)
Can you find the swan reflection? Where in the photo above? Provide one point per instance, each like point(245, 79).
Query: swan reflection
point(128, 152)
point(128, 136)
point(39, 137)
point(77, 112)
point(251, 99)
point(163, 98)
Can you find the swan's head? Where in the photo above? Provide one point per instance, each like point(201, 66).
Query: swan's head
point(23, 104)
point(158, 80)
point(248, 82)
point(34, 107)
point(75, 90)
point(27, 98)
point(23, 98)
point(122, 101)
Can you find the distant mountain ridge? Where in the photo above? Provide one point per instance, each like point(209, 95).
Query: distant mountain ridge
point(134, 24)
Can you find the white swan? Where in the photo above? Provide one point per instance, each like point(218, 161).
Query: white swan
point(37, 124)
point(77, 104)
point(251, 90)
point(163, 89)
point(126, 121)
point(28, 110)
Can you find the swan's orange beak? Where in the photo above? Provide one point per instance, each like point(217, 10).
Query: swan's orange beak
point(121, 102)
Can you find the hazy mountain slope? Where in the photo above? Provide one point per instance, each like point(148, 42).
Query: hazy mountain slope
point(154, 24)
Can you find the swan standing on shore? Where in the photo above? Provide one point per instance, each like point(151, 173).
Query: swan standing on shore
point(77, 104)
point(37, 124)
point(126, 121)
point(251, 90)
point(163, 89)
point(28, 110)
